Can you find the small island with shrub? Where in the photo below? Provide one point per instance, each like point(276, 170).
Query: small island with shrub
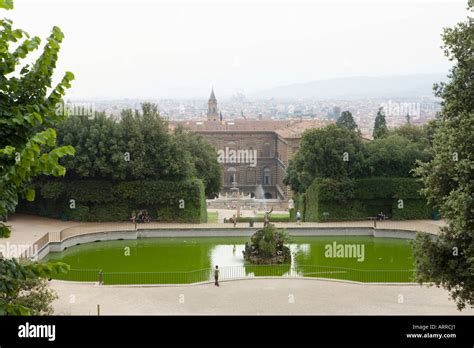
point(267, 246)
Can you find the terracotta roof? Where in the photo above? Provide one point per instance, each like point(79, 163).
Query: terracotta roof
point(295, 129)
point(284, 128)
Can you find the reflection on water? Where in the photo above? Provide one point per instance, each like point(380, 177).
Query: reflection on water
point(227, 255)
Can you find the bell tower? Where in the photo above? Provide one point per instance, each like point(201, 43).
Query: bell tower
point(212, 113)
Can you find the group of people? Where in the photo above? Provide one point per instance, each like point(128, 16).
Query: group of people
point(381, 216)
point(142, 216)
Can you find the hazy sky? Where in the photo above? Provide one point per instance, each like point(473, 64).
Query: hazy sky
point(159, 49)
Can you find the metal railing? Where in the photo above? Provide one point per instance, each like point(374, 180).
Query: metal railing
point(34, 248)
point(239, 272)
point(79, 275)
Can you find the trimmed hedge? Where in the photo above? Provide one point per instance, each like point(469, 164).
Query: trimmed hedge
point(299, 202)
point(101, 200)
point(358, 199)
point(412, 209)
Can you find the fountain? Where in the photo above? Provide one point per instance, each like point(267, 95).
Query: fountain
point(267, 246)
point(239, 200)
point(236, 193)
point(260, 195)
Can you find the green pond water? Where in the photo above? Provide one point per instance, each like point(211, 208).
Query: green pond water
point(188, 260)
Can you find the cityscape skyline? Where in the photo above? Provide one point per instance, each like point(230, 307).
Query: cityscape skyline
point(398, 111)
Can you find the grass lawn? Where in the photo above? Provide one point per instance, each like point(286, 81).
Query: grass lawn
point(275, 215)
point(212, 217)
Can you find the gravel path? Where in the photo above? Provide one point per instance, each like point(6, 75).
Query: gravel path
point(255, 296)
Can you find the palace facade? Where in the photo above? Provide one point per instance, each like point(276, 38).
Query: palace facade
point(274, 142)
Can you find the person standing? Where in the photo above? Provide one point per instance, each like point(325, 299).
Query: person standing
point(216, 276)
point(298, 217)
point(381, 216)
point(134, 219)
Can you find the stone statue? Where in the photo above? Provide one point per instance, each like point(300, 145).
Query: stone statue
point(266, 218)
point(291, 204)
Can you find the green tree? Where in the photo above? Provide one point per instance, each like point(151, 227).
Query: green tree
point(36, 295)
point(347, 121)
point(139, 146)
point(154, 152)
point(380, 125)
point(208, 169)
point(27, 141)
point(329, 152)
point(394, 155)
point(416, 134)
point(29, 110)
point(448, 260)
point(293, 177)
point(96, 141)
point(16, 278)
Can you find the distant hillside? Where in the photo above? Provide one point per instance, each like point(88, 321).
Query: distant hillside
point(403, 86)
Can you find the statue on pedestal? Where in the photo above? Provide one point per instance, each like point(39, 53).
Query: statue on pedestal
point(266, 218)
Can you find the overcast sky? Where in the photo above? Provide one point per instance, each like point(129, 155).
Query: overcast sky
point(160, 49)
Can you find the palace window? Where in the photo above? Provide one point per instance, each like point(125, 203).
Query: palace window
point(231, 175)
point(267, 177)
point(266, 150)
point(251, 176)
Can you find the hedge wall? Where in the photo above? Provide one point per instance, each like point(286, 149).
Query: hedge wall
point(100, 200)
point(299, 202)
point(331, 200)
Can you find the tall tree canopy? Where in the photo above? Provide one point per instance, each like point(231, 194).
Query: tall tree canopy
point(27, 142)
point(208, 169)
point(347, 121)
point(422, 135)
point(95, 142)
point(321, 155)
point(394, 155)
point(138, 146)
point(29, 111)
point(329, 152)
point(448, 261)
point(380, 124)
